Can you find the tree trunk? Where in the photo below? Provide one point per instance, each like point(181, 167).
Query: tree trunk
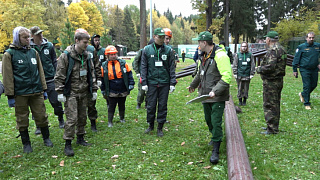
point(143, 24)
point(226, 27)
point(209, 14)
point(269, 15)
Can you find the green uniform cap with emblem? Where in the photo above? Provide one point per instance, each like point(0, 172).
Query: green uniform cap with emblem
point(203, 36)
point(272, 34)
point(159, 32)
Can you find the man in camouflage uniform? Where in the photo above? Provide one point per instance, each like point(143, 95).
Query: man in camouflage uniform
point(272, 70)
point(97, 52)
point(75, 81)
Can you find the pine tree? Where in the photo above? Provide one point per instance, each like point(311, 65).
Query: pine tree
point(67, 35)
point(129, 35)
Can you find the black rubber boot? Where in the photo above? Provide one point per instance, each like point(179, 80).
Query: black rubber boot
point(93, 126)
point(61, 121)
point(214, 159)
point(244, 101)
point(68, 151)
point(81, 141)
point(150, 128)
point(110, 119)
point(26, 141)
point(121, 114)
point(38, 131)
point(45, 136)
point(240, 101)
point(159, 132)
point(138, 106)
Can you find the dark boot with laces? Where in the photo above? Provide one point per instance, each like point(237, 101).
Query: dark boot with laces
point(26, 141)
point(81, 141)
point(68, 151)
point(214, 159)
point(150, 128)
point(45, 136)
point(159, 131)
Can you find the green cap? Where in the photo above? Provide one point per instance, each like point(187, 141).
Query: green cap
point(159, 32)
point(272, 34)
point(203, 36)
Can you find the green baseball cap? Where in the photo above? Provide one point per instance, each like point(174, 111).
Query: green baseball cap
point(203, 36)
point(272, 34)
point(159, 32)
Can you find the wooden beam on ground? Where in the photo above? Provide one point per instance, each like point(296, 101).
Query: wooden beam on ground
point(238, 161)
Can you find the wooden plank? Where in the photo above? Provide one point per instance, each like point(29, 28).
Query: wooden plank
point(238, 161)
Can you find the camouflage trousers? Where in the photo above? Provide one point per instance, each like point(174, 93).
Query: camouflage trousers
point(271, 103)
point(92, 110)
point(142, 95)
point(38, 109)
point(76, 112)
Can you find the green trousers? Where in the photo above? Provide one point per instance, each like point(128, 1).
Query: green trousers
point(213, 113)
point(310, 82)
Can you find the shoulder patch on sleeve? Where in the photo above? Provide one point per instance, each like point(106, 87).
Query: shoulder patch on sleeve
point(297, 50)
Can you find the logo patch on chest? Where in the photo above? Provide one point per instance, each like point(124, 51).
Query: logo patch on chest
point(33, 61)
point(46, 51)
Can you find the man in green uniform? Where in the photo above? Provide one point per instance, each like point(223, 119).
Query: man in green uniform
point(272, 70)
point(49, 63)
point(213, 78)
point(97, 52)
point(158, 77)
point(307, 57)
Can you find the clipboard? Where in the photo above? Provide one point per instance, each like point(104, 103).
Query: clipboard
point(199, 99)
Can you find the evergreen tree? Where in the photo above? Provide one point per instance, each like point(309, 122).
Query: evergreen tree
point(129, 35)
point(67, 35)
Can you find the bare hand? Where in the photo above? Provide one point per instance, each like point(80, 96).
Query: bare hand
point(295, 74)
point(191, 90)
point(211, 94)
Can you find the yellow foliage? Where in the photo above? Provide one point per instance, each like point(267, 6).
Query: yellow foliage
point(18, 13)
point(77, 16)
point(95, 18)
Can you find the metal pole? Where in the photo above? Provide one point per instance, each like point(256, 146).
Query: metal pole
point(150, 19)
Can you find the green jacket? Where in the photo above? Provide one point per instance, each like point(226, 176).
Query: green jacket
point(157, 66)
point(243, 65)
point(273, 65)
point(48, 57)
point(214, 75)
point(307, 57)
point(137, 62)
point(125, 75)
point(22, 72)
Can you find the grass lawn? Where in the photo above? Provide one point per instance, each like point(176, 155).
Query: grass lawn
point(182, 153)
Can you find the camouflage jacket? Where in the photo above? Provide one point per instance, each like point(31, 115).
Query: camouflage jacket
point(79, 84)
point(273, 65)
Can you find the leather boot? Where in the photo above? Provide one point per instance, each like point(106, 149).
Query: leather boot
point(26, 141)
point(121, 114)
point(244, 101)
point(93, 126)
point(240, 101)
point(159, 132)
point(38, 131)
point(81, 141)
point(150, 128)
point(68, 151)
point(61, 121)
point(110, 119)
point(45, 136)
point(214, 159)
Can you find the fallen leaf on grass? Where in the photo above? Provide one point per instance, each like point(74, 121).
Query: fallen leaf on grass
point(161, 160)
point(136, 120)
point(115, 157)
point(102, 121)
point(191, 120)
point(62, 163)
point(114, 166)
point(17, 156)
point(54, 156)
point(5, 153)
point(53, 173)
point(143, 152)
point(190, 163)
point(155, 164)
point(177, 129)
point(312, 172)
point(78, 162)
point(183, 143)
point(207, 167)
